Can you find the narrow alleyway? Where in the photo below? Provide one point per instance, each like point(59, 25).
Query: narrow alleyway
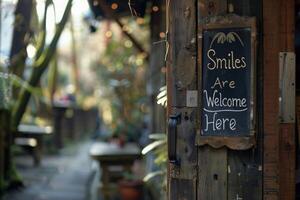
point(64, 177)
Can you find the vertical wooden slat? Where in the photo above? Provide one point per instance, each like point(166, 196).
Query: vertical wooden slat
point(287, 161)
point(186, 150)
point(244, 175)
point(185, 173)
point(271, 93)
point(212, 182)
point(181, 60)
point(245, 167)
point(181, 77)
point(212, 163)
point(287, 151)
point(279, 151)
point(186, 188)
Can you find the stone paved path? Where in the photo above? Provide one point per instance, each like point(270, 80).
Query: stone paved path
point(64, 177)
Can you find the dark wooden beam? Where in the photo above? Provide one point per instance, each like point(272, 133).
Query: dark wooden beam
point(279, 138)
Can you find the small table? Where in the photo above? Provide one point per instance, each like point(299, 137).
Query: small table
point(109, 155)
point(32, 136)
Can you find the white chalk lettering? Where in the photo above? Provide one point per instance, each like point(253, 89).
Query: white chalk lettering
point(223, 84)
point(219, 124)
point(225, 63)
point(217, 100)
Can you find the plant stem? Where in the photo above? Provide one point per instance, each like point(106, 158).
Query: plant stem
point(39, 66)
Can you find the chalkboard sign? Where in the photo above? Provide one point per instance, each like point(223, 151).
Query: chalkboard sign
point(226, 82)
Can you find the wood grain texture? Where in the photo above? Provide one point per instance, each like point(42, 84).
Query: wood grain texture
point(186, 187)
point(234, 143)
point(287, 153)
point(245, 167)
point(181, 60)
point(181, 76)
point(271, 93)
point(287, 161)
point(212, 163)
point(186, 150)
point(287, 87)
point(212, 173)
point(279, 170)
point(244, 175)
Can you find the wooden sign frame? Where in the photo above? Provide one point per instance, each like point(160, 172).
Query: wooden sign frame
point(232, 142)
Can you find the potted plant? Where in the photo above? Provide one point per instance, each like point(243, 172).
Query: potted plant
point(130, 187)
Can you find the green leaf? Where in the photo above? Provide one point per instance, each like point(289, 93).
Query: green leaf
point(163, 88)
point(153, 174)
point(158, 136)
point(152, 146)
point(163, 93)
point(161, 158)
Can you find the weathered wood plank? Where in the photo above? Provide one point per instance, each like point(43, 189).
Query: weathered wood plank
point(181, 60)
point(271, 93)
point(287, 87)
point(287, 152)
point(245, 167)
point(298, 119)
point(212, 173)
point(185, 147)
point(181, 77)
point(244, 175)
point(186, 187)
point(212, 163)
point(287, 161)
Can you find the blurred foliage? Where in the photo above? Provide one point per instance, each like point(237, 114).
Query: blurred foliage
point(16, 88)
point(162, 96)
point(44, 55)
point(159, 148)
point(7, 81)
point(5, 91)
point(121, 71)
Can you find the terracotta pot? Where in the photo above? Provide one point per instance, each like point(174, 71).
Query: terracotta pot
point(131, 190)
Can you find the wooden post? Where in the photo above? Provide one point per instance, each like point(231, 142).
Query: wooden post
point(279, 138)
point(181, 78)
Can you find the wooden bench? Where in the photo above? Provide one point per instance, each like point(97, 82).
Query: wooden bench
point(114, 161)
point(30, 137)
